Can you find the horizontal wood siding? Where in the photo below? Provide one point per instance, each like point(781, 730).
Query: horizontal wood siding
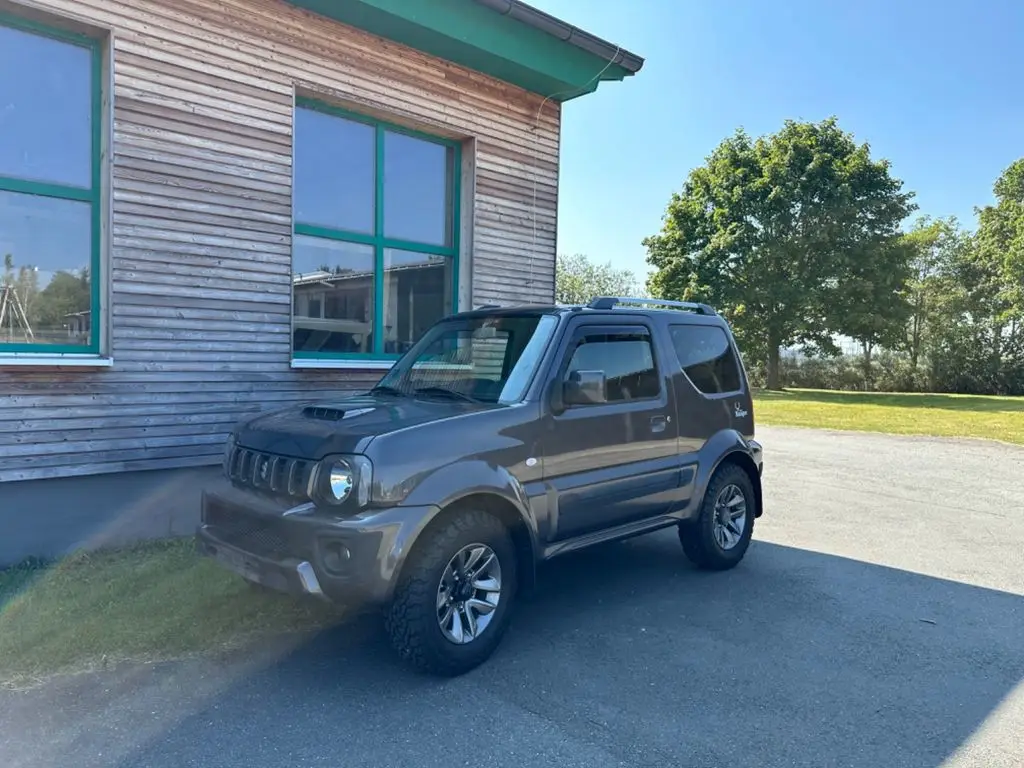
point(200, 241)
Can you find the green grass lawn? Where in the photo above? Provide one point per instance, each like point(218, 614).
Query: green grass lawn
point(154, 601)
point(996, 418)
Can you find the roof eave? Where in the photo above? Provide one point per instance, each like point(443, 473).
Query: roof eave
point(580, 38)
point(505, 39)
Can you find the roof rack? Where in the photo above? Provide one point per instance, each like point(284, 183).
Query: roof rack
point(610, 302)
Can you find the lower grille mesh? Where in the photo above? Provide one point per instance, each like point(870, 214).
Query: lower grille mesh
point(248, 532)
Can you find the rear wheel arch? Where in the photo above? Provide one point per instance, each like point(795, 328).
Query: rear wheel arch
point(746, 463)
point(718, 537)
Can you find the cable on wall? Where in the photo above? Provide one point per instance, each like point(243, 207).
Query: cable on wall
point(536, 143)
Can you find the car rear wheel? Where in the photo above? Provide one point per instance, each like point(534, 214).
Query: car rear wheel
point(451, 606)
point(719, 537)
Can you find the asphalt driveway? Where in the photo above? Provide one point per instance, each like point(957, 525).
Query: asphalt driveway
point(878, 621)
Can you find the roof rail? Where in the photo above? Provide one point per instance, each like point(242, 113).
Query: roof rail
point(488, 306)
point(610, 302)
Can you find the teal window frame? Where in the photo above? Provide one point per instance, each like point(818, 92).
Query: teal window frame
point(377, 239)
point(93, 195)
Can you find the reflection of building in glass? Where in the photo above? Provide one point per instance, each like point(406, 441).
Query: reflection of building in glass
point(79, 325)
point(333, 310)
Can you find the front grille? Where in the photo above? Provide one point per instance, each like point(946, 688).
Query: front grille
point(261, 536)
point(267, 472)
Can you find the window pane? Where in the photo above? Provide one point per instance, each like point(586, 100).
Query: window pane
point(627, 362)
point(706, 357)
point(332, 296)
point(417, 293)
point(45, 109)
point(417, 190)
point(46, 295)
point(334, 172)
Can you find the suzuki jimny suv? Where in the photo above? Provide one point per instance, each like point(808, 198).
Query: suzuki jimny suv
point(504, 437)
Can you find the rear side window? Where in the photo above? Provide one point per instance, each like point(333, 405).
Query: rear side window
point(706, 357)
point(626, 359)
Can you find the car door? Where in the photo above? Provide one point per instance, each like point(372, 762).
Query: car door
point(610, 463)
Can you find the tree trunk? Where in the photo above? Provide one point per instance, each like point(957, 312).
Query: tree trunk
point(773, 378)
point(867, 348)
point(997, 360)
point(915, 338)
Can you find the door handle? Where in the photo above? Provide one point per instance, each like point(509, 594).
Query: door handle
point(658, 423)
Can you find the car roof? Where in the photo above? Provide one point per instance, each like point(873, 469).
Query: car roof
point(601, 305)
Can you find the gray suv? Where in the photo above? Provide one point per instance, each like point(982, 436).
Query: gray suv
point(504, 437)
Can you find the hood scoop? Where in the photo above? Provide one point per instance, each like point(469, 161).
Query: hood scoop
point(331, 413)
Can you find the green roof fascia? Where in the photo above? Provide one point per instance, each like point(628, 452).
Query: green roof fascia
point(475, 36)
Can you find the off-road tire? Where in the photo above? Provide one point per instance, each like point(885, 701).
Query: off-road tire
point(411, 618)
point(697, 536)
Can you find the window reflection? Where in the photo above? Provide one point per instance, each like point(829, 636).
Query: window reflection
point(417, 190)
point(625, 359)
point(705, 355)
point(332, 294)
point(334, 172)
point(45, 109)
point(46, 285)
point(417, 293)
point(360, 227)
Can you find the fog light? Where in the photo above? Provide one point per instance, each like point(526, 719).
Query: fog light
point(336, 556)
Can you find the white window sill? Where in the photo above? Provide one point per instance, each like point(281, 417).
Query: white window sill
point(345, 365)
point(30, 360)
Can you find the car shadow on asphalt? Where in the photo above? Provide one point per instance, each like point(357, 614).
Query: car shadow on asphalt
point(626, 655)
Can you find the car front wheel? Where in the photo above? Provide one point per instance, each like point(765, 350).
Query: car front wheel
point(451, 606)
point(720, 535)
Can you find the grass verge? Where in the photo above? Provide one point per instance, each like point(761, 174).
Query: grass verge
point(154, 601)
point(994, 418)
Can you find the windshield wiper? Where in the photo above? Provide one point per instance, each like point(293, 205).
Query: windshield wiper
point(387, 389)
point(446, 393)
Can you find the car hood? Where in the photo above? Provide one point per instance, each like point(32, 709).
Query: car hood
point(343, 425)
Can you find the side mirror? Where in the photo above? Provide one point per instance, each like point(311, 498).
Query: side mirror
point(585, 388)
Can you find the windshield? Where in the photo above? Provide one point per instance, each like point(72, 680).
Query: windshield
point(487, 359)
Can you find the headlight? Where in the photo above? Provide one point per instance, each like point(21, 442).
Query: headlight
point(342, 480)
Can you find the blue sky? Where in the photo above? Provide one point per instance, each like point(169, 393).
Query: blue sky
point(936, 88)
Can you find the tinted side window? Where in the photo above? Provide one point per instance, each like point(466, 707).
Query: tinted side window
point(626, 359)
point(707, 358)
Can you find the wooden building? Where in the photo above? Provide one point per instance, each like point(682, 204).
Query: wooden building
point(209, 207)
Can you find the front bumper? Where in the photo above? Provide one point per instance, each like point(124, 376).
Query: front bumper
point(302, 551)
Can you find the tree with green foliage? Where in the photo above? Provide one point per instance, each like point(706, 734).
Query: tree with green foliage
point(935, 245)
point(65, 294)
point(1000, 241)
point(976, 343)
point(871, 306)
point(790, 235)
point(578, 280)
